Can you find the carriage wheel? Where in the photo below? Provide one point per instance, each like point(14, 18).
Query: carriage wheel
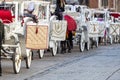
point(16, 60)
point(111, 40)
point(105, 40)
point(92, 42)
point(54, 48)
point(81, 44)
point(96, 42)
point(118, 38)
point(58, 47)
point(41, 53)
point(28, 58)
point(87, 45)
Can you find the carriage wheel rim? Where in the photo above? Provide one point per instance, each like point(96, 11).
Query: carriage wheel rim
point(54, 49)
point(111, 41)
point(97, 43)
point(88, 46)
point(82, 44)
point(29, 57)
point(17, 63)
point(41, 53)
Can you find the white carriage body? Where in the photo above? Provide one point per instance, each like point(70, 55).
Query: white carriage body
point(40, 6)
point(76, 15)
point(13, 26)
point(58, 27)
point(115, 26)
point(93, 29)
point(43, 26)
point(102, 21)
point(39, 39)
point(58, 31)
point(115, 29)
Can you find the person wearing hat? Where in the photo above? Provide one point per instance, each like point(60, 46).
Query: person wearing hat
point(30, 9)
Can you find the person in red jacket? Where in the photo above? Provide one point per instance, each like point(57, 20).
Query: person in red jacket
point(71, 27)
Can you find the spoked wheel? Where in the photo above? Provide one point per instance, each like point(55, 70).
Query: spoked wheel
point(81, 44)
point(41, 53)
point(54, 48)
point(119, 38)
point(87, 45)
point(96, 42)
point(58, 47)
point(16, 56)
point(92, 43)
point(28, 58)
point(16, 60)
point(105, 40)
point(111, 40)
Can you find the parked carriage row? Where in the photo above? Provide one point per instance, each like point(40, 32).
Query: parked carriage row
point(48, 32)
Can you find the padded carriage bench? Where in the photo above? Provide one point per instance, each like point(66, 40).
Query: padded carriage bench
point(6, 16)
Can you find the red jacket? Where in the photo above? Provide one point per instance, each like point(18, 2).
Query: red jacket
point(71, 23)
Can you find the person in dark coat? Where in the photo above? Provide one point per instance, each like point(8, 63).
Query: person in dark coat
point(60, 8)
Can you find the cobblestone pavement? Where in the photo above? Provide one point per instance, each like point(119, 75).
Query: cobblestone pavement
point(102, 63)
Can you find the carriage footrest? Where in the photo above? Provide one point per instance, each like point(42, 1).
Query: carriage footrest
point(8, 57)
point(5, 45)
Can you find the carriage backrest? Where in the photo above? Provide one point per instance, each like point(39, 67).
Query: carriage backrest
point(6, 16)
point(41, 8)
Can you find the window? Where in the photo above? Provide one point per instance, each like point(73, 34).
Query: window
point(107, 4)
point(84, 2)
point(104, 3)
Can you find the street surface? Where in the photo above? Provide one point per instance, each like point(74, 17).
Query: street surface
point(102, 63)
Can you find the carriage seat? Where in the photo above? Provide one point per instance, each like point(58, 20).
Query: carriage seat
point(6, 16)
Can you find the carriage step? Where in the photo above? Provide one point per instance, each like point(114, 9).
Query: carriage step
point(5, 45)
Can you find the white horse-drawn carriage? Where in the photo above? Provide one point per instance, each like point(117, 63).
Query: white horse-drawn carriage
point(101, 17)
point(10, 47)
point(115, 26)
point(37, 36)
point(46, 33)
point(87, 30)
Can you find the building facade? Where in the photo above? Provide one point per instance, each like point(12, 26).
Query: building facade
point(113, 5)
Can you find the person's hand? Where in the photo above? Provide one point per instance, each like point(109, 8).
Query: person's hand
point(25, 10)
point(73, 32)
